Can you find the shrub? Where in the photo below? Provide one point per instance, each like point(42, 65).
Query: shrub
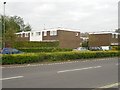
point(115, 47)
point(55, 56)
point(28, 44)
point(44, 49)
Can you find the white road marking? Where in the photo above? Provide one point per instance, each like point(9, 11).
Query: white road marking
point(111, 85)
point(117, 64)
point(78, 69)
point(12, 78)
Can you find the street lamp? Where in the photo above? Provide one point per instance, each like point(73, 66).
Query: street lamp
point(4, 25)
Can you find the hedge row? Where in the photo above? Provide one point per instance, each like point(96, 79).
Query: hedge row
point(56, 56)
point(44, 49)
point(27, 44)
point(115, 47)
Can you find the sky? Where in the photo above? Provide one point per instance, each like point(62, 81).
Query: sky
point(83, 15)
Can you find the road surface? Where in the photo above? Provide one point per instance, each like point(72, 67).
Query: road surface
point(97, 73)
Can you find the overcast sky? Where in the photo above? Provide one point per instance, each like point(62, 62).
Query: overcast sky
point(85, 15)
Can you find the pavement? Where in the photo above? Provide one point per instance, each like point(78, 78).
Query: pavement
point(97, 73)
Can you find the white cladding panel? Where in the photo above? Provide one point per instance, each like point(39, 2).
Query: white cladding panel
point(36, 36)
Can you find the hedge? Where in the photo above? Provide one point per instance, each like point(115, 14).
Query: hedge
point(28, 44)
point(115, 47)
point(56, 56)
point(44, 49)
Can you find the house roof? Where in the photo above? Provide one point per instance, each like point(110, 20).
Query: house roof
point(104, 32)
point(55, 29)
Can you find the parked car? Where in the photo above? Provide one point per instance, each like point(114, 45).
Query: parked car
point(10, 51)
point(95, 48)
point(81, 49)
point(106, 48)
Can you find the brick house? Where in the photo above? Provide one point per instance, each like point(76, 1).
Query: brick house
point(67, 38)
point(98, 39)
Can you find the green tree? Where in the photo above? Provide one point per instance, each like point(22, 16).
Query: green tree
point(12, 25)
point(117, 30)
point(85, 44)
point(22, 25)
point(27, 27)
point(10, 38)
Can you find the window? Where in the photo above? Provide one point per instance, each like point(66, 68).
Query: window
point(45, 33)
point(113, 35)
point(31, 34)
point(77, 34)
point(116, 35)
point(21, 35)
point(38, 33)
point(26, 34)
point(53, 33)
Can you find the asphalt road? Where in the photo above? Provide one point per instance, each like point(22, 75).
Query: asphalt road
point(98, 73)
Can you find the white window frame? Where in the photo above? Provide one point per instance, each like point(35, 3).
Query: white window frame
point(32, 34)
point(53, 33)
point(21, 34)
point(113, 35)
point(26, 34)
point(38, 33)
point(116, 35)
point(45, 33)
point(76, 34)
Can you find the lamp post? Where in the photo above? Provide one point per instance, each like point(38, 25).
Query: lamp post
point(4, 25)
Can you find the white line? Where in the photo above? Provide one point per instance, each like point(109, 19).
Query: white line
point(78, 69)
point(117, 64)
point(111, 85)
point(12, 78)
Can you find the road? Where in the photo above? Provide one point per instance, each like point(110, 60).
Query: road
point(97, 73)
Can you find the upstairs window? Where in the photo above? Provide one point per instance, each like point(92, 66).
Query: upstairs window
point(77, 34)
point(31, 34)
point(116, 35)
point(21, 35)
point(45, 33)
point(53, 33)
point(38, 33)
point(113, 35)
point(26, 34)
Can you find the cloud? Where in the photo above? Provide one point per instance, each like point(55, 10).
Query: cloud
point(85, 15)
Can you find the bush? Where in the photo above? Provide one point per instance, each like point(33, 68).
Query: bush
point(56, 56)
point(44, 49)
point(28, 44)
point(115, 47)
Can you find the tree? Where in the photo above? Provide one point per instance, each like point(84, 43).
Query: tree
point(12, 25)
point(20, 22)
point(117, 30)
point(27, 27)
point(10, 38)
point(85, 44)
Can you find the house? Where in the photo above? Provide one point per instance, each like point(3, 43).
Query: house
point(97, 39)
point(67, 38)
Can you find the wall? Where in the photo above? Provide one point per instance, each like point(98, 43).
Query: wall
point(68, 39)
point(48, 37)
point(35, 37)
point(99, 40)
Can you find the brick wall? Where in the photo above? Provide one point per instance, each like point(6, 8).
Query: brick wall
point(67, 39)
point(101, 40)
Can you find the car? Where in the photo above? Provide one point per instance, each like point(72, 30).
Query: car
point(95, 48)
point(81, 49)
point(10, 51)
